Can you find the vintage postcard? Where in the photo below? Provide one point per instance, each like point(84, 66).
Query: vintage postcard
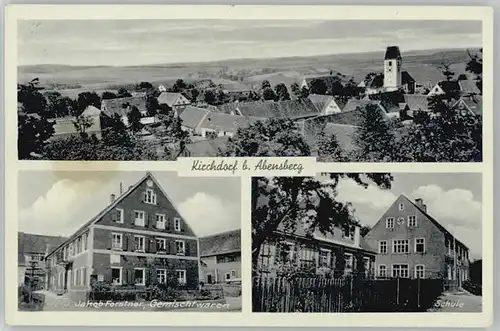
point(249, 165)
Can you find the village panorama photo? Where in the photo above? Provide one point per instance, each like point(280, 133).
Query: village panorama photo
point(128, 241)
point(370, 242)
point(339, 90)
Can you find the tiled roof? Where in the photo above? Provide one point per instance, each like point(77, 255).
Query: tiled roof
point(35, 243)
point(271, 109)
point(206, 148)
point(377, 81)
point(221, 243)
point(320, 101)
point(469, 87)
point(168, 97)
point(474, 103)
point(192, 116)
point(353, 104)
point(406, 78)
point(227, 122)
point(392, 52)
point(122, 106)
point(416, 101)
point(91, 111)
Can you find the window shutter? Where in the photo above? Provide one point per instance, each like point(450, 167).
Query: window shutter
point(132, 216)
point(181, 225)
point(167, 246)
point(110, 240)
point(153, 279)
point(125, 242)
point(146, 219)
point(153, 225)
point(152, 245)
point(173, 249)
point(186, 248)
point(131, 276)
point(125, 276)
point(114, 215)
point(167, 223)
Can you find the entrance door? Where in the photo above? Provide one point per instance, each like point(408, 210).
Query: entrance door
point(209, 279)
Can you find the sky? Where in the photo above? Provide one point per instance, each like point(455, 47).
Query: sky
point(454, 199)
point(140, 42)
point(58, 203)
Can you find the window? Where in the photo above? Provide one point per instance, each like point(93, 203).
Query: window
point(419, 271)
point(70, 250)
point(177, 224)
point(382, 247)
point(161, 244)
point(79, 245)
point(116, 276)
point(324, 258)
point(382, 270)
point(139, 276)
point(117, 241)
point(227, 276)
point(150, 197)
point(160, 221)
point(114, 259)
point(348, 262)
point(180, 247)
point(389, 222)
point(349, 232)
point(181, 276)
point(401, 207)
point(286, 252)
point(265, 255)
point(119, 215)
point(400, 271)
point(233, 273)
point(412, 221)
point(85, 241)
point(161, 276)
point(139, 218)
point(419, 245)
point(237, 257)
point(400, 246)
point(139, 243)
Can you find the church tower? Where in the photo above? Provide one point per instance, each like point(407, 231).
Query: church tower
point(392, 69)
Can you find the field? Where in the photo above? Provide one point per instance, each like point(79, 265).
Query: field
point(241, 73)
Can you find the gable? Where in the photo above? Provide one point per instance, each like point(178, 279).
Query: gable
point(134, 200)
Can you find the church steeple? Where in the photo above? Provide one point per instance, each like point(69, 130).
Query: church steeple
point(392, 68)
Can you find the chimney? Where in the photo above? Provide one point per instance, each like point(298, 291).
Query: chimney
point(420, 203)
point(357, 236)
point(130, 187)
point(112, 198)
point(121, 188)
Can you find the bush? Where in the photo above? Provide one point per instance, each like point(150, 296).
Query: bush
point(472, 287)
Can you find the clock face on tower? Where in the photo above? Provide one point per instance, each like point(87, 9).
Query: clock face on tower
point(149, 183)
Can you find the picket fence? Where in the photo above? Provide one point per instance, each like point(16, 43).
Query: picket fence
point(344, 294)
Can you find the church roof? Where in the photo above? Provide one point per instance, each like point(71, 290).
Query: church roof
point(392, 53)
point(406, 78)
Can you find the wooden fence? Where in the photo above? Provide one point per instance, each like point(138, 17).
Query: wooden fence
point(344, 294)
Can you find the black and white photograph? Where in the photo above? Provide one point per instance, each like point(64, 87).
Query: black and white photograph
point(128, 241)
point(337, 90)
point(367, 242)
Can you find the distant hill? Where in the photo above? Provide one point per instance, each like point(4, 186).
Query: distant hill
point(423, 65)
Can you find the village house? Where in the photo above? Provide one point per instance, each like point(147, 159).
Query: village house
point(122, 106)
point(326, 104)
point(32, 249)
point(65, 126)
point(455, 87)
point(472, 104)
point(137, 240)
point(173, 100)
point(412, 244)
point(220, 256)
point(191, 118)
point(217, 125)
point(293, 109)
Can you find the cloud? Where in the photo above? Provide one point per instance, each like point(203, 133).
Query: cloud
point(208, 214)
point(456, 205)
point(372, 196)
point(62, 209)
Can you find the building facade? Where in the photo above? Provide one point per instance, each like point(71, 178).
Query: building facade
point(140, 239)
point(341, 253)
point(221, 258)
point(412, 244)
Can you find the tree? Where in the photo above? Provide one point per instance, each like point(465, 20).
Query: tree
point(282, 92)
point(364, 230)
point(86, 99)
point(108, 95)
point(164, 109)
point(475, 66)
point(265, 84)
point(152, 105)
point(114, 132)
point(210, 97)
point(134, 120)
point(179, 85)
point(123, 93)
point(194, 95)
point(58, 106)
point(318, 86)
point(144, 86)
point(33, 132)
point(268, 94)
point(295, 88)
point(30, 97)
point(273, 137)
point(374, 140)
point(329, 149)
point(288, 203)
point(446, 71)
point(82, 123)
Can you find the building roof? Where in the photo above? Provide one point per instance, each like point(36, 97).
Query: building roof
point(473, 103)
point(469, 87)
point(322, 101)
point(221, 243)
point(376, 81)
point(449, 86)
point(270, 109)
point(91, 111)
point(122, 106)
point(207, 148)
point(35, 243)
point(433, 220)
point(416, 101)
point(392, 53)
point(227, 122)
point(354, 104)
point(192, 116)
point(406, 78)
point(169, 98)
